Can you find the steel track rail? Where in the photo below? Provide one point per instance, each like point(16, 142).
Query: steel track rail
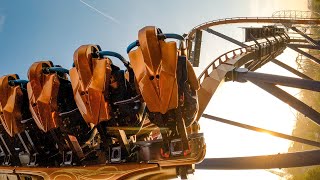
point(215, 72)
point(234, 20)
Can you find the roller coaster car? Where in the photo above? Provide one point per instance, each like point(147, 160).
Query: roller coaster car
point(22, 142)
point(107, 99)
point(104, 114)
point(168, 85)
point(54, 110)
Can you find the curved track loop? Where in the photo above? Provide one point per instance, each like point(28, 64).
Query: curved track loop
point(284, 20)
point(215, 72)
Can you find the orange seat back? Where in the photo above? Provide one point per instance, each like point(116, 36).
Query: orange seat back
point(11, 97)
point(43, 91)
point(90, 79)
point(154, 64)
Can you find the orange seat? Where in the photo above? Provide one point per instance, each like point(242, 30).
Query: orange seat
point(167, 83)
point(90, 79)
point(154, 64)
point(11, 97)
point(43, 91)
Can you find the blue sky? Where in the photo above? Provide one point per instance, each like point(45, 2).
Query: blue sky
point(33, 30)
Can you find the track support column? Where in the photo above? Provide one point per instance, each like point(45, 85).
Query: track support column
point(268, 83)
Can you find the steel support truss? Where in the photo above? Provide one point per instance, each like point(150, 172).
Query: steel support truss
point(262, 130)
point(234, 41)
point(290, 69)
point(308, 38)
point(313, 44)
point(295, 48)
point(268, 82)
